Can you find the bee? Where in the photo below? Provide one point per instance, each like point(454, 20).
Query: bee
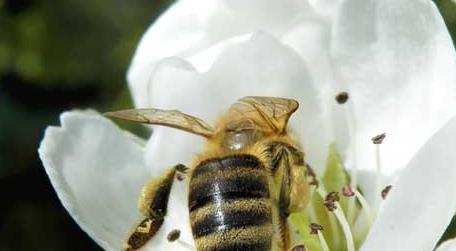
point(249, 177)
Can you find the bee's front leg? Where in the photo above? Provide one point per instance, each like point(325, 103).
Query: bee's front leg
point(153, 203)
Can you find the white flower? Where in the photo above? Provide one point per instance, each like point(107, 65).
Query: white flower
point(394, 58)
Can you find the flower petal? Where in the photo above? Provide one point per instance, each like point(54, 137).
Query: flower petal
point(97, 172)
point(190, 26)
point(399, 65)
point(421, 204)
point(449, 245)
point(261, 66)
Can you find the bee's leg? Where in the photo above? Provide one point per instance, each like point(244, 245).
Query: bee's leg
point(288, 169)
point(153, 203)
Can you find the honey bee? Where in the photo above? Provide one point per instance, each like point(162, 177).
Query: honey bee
point(249, 177)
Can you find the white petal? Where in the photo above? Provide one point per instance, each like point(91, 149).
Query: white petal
point(261, 66)
point(398, 62)
point(310, 38)
point(449, 245)
point(97, 172)
point(421, 204)
point(326, 8)
point(190, 26)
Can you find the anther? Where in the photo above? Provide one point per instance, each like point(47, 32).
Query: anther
point(299, 248)
point(342, 97)
point(315, 228)
point(347, 191)
point(173, 235)
point(378, 139)
point(181, 168)
point(385, 191)
point(330, 201)
point(332, 196)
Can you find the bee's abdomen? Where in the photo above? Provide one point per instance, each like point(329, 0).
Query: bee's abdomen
point(229, 204)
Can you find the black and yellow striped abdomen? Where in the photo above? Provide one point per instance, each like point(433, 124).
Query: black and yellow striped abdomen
point(229, 203)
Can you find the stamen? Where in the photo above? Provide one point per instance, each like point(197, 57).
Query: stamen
point(316, 229)
point(377, 140)
point(342, 98)
point(174, 236)
point(342, 221)
point(386, 191)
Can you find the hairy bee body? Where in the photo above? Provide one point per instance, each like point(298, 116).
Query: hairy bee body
point(241, 188)
point(230, 204)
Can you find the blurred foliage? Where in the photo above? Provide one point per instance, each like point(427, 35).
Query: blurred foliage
point(56, 56)
point(448, 10)
point(71, 42)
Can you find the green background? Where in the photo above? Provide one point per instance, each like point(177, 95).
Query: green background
point(54, 56)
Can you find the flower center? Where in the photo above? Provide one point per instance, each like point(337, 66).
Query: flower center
point(339, 217)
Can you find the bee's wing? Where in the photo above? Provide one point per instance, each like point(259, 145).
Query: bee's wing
point(272, 111)
point(171, 118)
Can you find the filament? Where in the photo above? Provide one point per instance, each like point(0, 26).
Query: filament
point(345, 228)
point(324, 244)
point(186, 245)
point(365, 206)
point(379, 182)
point(352, 153)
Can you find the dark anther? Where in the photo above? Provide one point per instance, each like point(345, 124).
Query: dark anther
point(347, 191)
point(330, 201)
point(379, 138)
point(385, 191)
point(332, 196)
point(342, 97)
point(173, 235)
point(299, 248)
point(181, 168)
point(314, 228)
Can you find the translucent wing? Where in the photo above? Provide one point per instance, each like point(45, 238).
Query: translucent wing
point(269, 113)
point(171, 118)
